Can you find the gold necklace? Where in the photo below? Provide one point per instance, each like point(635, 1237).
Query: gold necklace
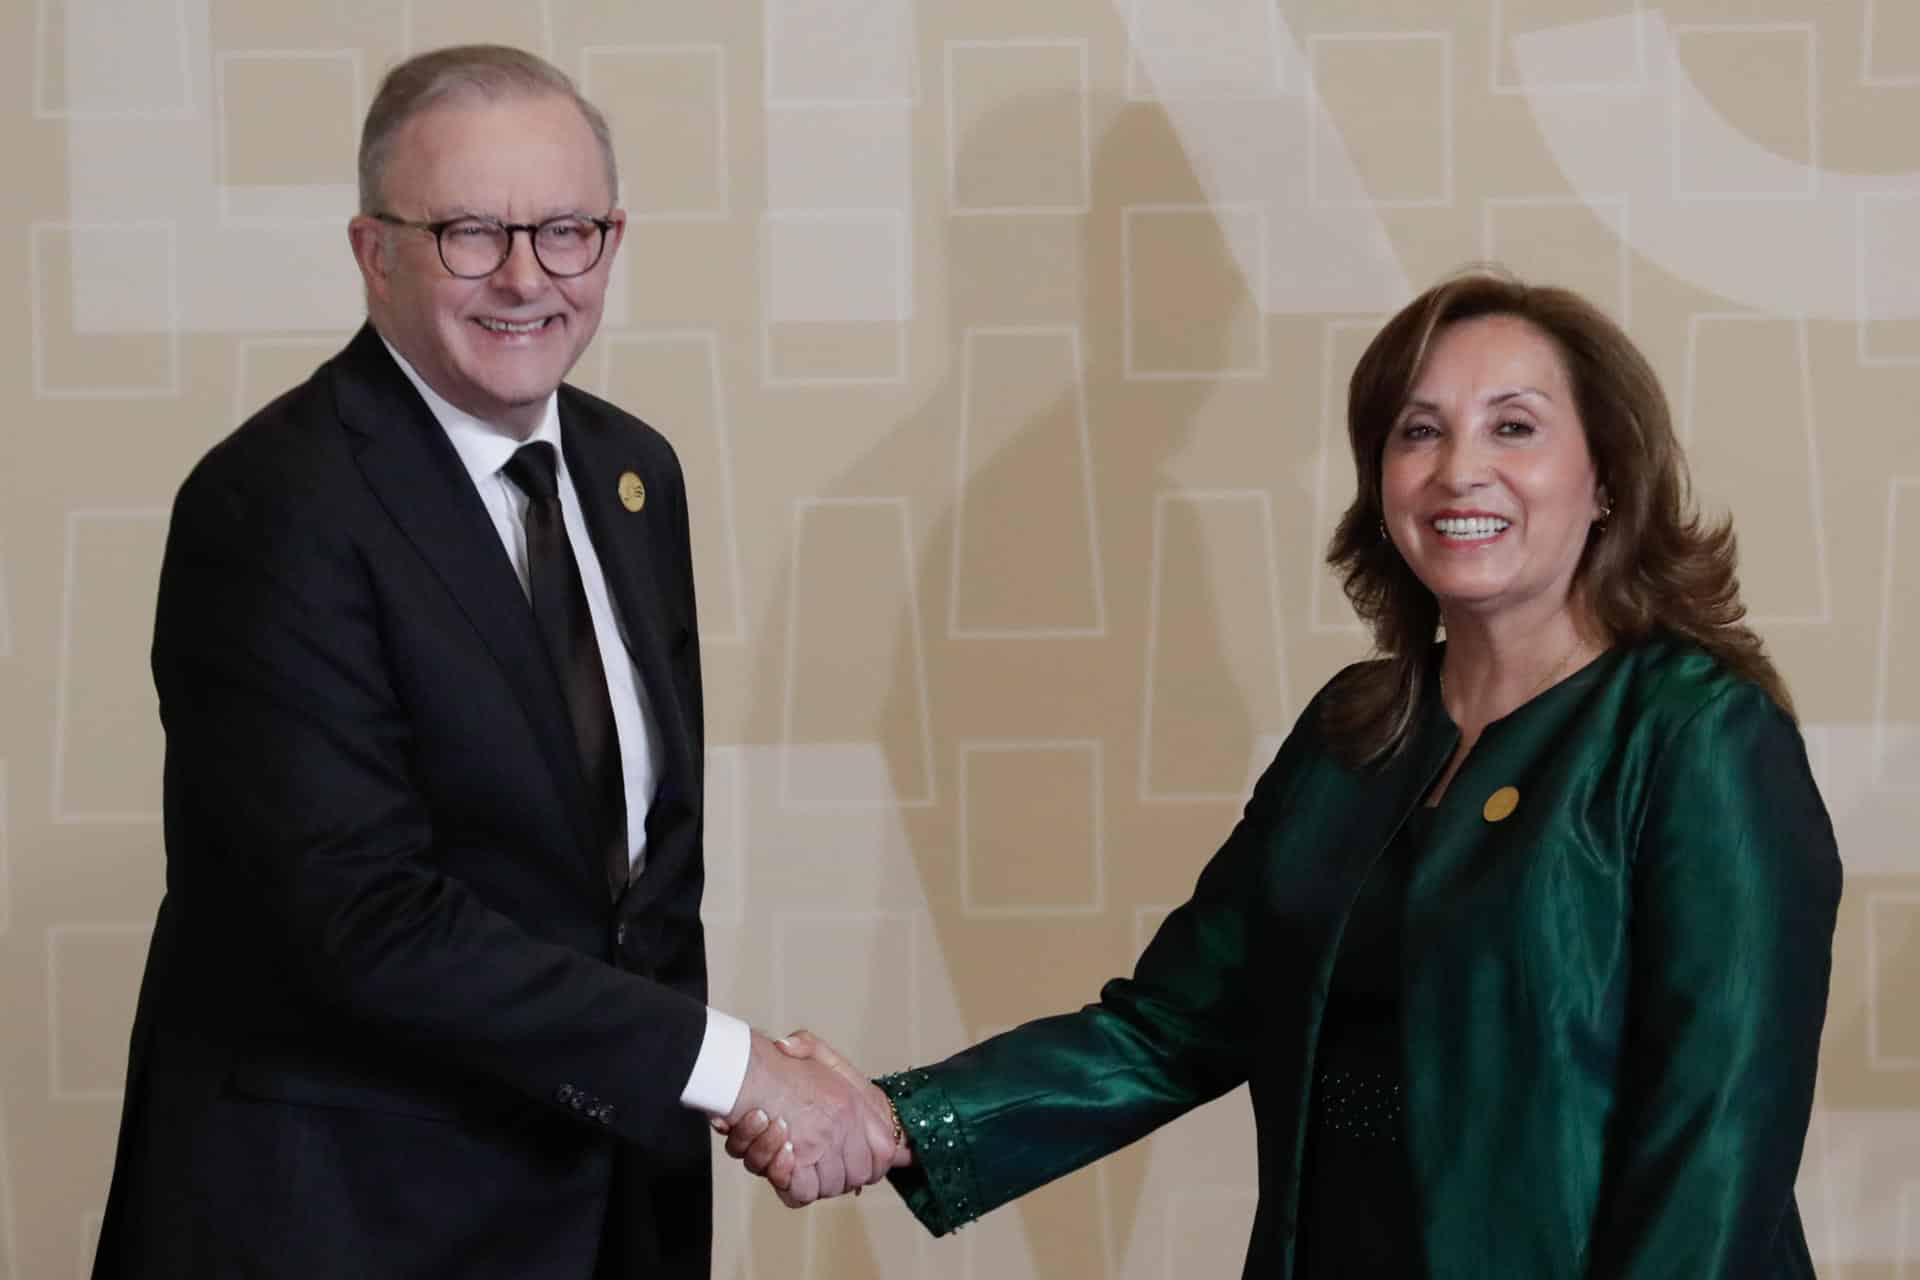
point(1553, 673)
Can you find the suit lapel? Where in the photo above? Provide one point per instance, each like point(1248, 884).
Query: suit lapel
point(629, 543)
point(598, 455)
point(415, 474)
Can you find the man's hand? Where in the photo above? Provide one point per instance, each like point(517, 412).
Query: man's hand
point(805, 1044)
point(813, 1128)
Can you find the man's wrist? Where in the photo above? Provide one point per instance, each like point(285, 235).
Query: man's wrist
point(720, 1069)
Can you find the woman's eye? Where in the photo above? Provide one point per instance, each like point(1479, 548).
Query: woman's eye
point(1516, 428)
point(1419, 431)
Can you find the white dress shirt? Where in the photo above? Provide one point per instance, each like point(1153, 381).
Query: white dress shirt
point(484, 449)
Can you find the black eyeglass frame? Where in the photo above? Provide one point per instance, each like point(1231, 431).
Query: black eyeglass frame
point(439, 227)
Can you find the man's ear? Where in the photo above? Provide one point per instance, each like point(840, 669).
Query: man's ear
point(615, 234)
point(368, 236)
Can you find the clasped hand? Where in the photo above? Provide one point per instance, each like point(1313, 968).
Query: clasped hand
point(809, 1123)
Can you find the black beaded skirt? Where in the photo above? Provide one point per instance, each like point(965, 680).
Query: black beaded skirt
point(1356, 1214)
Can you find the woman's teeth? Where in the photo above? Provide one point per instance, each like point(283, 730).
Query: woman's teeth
point(1470, 526)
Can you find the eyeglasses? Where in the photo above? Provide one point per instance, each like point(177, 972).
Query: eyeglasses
point(473, 248)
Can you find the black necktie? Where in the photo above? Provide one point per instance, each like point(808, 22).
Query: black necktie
point(560, 610)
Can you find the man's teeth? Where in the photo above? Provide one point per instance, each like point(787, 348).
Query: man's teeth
point(507, 326)
point(1470, 526)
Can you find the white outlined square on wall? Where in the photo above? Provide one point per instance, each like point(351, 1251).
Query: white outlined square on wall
point(143, 254)
point(1270, 650)
point(1095, 902)
point(1878, 904)
point(822, 158)
point(892, 941)
point(1891, 594)
point(1210, 62)
point(1612, 212)
point(1886, 270)
point(964, 472)
point(119, 46)
point(1323, 588)
point(1629, 54)
point(1324, 135)
point(1234, 1203)
point(473, 23)
point(891, 373)
point(1243, 229)
point(1697, 134)
point(244, 202)
point(859, 768)
point(822, 266)
point(247, 398)
point(811, 268)
point(1870, 48)
point(9, 1220)
point(717, 204)
point(6, 607)
point(62, 1068)
point(875, 66)
point(972, 51)
point(6, 860)
point(707, 343)
point(129, 667)
point(725, 848)
point(1909, 1225)
point(1802, 409)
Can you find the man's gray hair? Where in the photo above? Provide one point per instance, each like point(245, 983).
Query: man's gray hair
point(486, 72)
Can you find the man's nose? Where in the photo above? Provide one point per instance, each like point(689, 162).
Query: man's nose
point(521, 274)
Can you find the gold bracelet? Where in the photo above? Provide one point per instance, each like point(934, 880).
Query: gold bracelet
point(899, 1130)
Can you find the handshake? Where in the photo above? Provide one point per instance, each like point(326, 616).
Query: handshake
point(809, 1123)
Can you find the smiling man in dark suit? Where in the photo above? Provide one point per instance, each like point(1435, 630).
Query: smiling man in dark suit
point(427, 992)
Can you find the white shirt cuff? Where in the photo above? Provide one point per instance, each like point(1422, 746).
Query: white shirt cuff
point(721, 1067)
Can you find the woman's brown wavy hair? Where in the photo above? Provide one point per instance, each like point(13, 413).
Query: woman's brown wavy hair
point(1653, 564)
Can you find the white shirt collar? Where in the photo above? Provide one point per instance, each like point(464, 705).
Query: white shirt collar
point(483, 447)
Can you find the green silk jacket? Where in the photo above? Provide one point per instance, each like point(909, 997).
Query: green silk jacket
point(1612, 1004)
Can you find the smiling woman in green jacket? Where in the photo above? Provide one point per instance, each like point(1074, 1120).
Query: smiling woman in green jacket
point(1523, 940)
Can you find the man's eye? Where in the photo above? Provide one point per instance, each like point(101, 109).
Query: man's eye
point(560, 232)
point(472, 230)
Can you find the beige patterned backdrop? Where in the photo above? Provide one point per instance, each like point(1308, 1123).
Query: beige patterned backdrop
point(1003, 342)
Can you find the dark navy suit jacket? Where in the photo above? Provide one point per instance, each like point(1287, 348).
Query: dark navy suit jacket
point(391, 1024)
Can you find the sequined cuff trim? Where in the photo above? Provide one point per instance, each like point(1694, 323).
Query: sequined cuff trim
point(950, 1199)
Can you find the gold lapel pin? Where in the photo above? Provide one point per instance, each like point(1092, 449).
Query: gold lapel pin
point(1501, 804)
point(633, 493)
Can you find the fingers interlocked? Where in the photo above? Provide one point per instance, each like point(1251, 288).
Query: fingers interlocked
point(821, 1129)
